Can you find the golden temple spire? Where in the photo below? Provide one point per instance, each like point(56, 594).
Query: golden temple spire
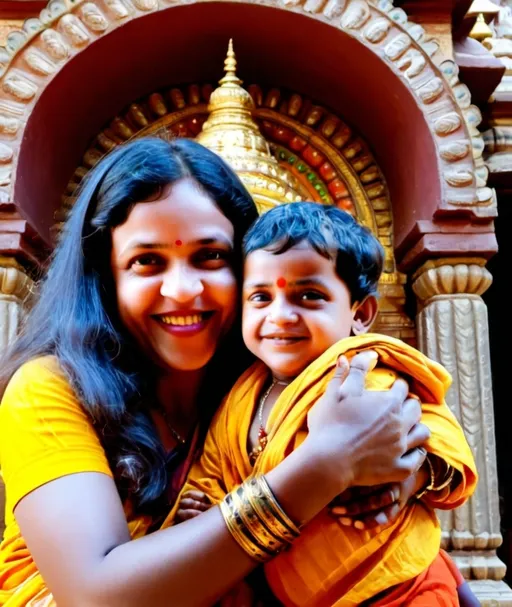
point(231, 132)
point(230, 67)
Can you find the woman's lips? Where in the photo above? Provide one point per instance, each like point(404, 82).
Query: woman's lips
point(184, 324)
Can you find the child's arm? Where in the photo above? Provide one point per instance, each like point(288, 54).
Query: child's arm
point(191, 504)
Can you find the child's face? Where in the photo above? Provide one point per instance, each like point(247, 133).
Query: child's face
point(295, 307)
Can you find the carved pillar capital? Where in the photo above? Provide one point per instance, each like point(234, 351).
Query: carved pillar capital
point(15, 287)
point(451, 277)
point(14, 283)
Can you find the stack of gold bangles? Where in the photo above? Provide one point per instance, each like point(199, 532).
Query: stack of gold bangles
point(256, 521)
point(441, 476)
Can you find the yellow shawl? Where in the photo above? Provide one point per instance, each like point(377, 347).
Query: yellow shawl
point(330, 564)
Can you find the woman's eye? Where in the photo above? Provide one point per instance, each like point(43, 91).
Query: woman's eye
point(212, 259)
point(145, 263)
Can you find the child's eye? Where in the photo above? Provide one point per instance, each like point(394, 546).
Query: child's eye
point(312, 296)
point(259, 297)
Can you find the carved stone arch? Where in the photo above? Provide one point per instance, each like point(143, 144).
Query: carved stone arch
point(47, 48)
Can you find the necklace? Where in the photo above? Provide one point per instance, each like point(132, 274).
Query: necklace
point(262, 432)
point(176, 435)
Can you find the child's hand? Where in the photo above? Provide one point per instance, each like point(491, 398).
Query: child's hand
point(370, 507)
point(192, 504)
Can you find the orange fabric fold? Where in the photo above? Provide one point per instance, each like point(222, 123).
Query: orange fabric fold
point(332, 565)
point(435, 587)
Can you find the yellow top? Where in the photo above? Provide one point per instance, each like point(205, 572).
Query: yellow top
point(45, 434)
point(331, 565)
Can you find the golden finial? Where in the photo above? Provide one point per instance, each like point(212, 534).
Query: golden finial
point(230, 67)
point(231, 132)
point(484, 11)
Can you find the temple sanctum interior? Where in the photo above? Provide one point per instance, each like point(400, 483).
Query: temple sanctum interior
point(398, 112)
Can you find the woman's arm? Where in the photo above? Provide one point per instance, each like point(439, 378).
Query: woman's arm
point(76, 530)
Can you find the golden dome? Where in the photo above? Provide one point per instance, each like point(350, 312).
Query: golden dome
point(231, 132)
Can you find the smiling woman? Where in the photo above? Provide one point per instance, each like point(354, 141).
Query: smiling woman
point(167, 293)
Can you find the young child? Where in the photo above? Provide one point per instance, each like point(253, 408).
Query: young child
point(309, 296)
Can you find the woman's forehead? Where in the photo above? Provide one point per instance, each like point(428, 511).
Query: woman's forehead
point(184, 212)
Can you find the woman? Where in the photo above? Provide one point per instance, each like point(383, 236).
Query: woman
point(132, 343)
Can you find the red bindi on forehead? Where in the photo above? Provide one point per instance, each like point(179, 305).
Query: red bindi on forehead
point(281, 282)
point(178, 243)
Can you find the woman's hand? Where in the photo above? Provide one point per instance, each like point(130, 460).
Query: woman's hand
point(365, 438)
point(369, 507)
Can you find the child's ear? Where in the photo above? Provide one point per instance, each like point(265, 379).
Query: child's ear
point(364, 314)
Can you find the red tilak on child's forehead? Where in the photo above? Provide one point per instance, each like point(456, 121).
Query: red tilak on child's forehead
point(178, 243)
point(281, 282)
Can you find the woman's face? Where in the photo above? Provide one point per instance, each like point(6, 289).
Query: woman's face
point(176, 290)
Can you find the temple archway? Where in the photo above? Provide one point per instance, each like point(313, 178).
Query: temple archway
point(76, 66)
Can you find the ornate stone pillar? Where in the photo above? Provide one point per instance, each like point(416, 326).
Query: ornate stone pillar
point(15, 286)
point(453, 329)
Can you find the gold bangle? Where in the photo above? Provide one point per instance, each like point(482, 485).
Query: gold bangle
point(430, 486)
point(263, 506)
point(447, 481)
point(271, 503)
point(240, 533)
point(262, 535)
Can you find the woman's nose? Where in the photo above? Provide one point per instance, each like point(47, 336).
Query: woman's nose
point(182, 284)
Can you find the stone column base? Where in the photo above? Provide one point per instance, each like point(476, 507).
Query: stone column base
point(491, 593)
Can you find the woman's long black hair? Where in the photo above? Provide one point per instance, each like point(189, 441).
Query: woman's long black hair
point(75, 317)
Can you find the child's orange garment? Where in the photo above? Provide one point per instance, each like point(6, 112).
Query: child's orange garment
point(330, 564)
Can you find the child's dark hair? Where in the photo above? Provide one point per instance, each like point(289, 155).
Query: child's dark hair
point(333, 233)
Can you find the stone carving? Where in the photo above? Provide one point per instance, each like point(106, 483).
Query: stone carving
point(146, 5)
point(431, 91)
point(459, 179)
point(5, 153)
point(118, 8)
point(447, 124)
point(455, 150)
point(54, 45)
point(397, 47)
point(334, 8)
point(8, 125)
point(93, 17)
point(39, 63)
point(377, 31)
point(19, 87)
point(15, 286)
point(498, 139)
point(356, 15)
point(74, 30)
point(452, 329)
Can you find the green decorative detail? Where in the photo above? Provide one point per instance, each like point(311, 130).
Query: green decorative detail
point(302, 168)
